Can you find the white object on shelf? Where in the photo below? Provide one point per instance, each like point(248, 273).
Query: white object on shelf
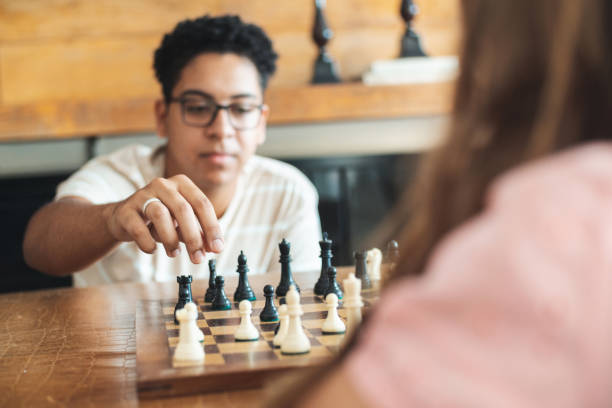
point(412, 70)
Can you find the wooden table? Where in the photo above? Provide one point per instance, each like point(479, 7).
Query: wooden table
point(77, 347)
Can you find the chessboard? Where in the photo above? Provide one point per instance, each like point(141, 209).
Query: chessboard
point(228, 364)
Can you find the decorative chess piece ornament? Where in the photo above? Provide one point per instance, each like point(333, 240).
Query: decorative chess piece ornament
point(282, 327)
point(361, 271)
point(373, 262)
point(286, 276)
point(243, 291)
point(324, 68)
point(269, 312)
point(352, 303)
point(332, 284)
point(247, 330)
point(220, 302)
point(184, 293)
point(332, 324)
point(411, 43)
point(210, 292)
point(326, 256)
point(189, 350)
point(295, 341)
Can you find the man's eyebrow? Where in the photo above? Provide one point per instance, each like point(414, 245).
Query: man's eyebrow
point(243, 95)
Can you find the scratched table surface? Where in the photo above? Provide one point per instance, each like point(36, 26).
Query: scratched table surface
point(77, 346)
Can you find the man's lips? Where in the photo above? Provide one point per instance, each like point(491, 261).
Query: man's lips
point(217, 157)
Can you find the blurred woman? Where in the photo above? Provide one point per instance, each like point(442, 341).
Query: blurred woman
point(503, 295)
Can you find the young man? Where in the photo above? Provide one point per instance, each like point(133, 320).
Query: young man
point(142, 215)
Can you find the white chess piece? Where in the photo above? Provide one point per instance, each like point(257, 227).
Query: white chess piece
point(283, 315)
point(296, 341)
point(247, 330)
point(189, 350)
point(352, 303)
point(373, 262)
point(332, 324)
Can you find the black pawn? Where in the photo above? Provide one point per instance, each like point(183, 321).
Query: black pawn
point(269, 312)
point(332, 285)
point(243, 291)
point(286, 276)
point(326, 256)
point(184, 293)
point(210, 292)
point(361, 271)
point(220, 302)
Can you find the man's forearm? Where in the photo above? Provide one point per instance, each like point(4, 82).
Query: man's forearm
point(67, 235)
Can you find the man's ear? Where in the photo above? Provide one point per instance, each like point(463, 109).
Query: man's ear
point(263, 124)
point(161, 113)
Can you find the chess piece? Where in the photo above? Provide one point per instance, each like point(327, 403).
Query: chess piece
point(361, 271)
point(220, 302)
point(184, 293)
point(392, 254)
point(373, 261)
point(332, 285)
point(332, 324)
point(210, 292)
point(411, 43)
point(324, 68)
point(269, 313)
point(281, 330)
point(247, 330)
point(286, 276)
point(243, 291)
point(326, 256)
point(352, 303)
point(189, 350)
point(295, 341)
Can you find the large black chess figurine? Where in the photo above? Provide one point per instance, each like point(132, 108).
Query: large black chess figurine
point(324, 68)
point(361, 271)
point(286, 276)
point(326, 256)
point(332, 285)
point(269, 312)
point(411, 43)
point(243, 291)
point(220, 302)
point(210, 292)
point(184, 293)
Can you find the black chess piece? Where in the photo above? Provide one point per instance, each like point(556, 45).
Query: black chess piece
point(392, 253)
point(269, 312)
point(184, 293)
point(286, 276)
point(220, 302)
point(243, 291)
point(325, 70)
point(326, 256)
point(361, 271)
point(411, 43)
point(210, 292)
point(332, 285)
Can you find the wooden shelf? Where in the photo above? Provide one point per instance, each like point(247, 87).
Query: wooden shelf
point(297, 104)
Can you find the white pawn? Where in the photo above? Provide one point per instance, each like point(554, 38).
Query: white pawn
point(332, 324)
point(373, 261)
point(283, 316)
point(352, 303)
point(189, 350)
point(247, 330)
point(296, 341)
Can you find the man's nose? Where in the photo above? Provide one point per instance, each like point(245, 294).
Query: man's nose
point(221, 125)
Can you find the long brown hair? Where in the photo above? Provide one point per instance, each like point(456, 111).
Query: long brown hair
point(535, 77)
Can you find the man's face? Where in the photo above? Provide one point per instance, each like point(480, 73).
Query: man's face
point(212, 156)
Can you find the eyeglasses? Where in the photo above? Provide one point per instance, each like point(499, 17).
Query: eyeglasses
point(200, 111)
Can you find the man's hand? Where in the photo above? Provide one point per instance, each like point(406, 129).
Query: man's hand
point(183, 213)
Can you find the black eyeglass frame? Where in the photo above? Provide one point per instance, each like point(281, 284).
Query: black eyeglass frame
point(183, 99)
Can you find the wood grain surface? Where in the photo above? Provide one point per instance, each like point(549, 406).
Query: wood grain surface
point(77, 347)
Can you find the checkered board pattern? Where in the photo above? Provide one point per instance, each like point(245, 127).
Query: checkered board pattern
point(218, 327)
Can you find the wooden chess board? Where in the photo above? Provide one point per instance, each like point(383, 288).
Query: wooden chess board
point(228, 364)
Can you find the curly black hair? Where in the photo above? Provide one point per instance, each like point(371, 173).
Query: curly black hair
point(224, 34)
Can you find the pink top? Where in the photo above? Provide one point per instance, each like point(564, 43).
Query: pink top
point(515, 307)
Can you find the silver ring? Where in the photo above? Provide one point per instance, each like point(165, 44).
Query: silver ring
point(149, 201)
